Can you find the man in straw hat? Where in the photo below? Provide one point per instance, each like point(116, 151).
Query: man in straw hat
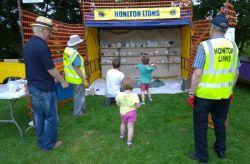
point(75, 73)
point(40, 73)
point(216, 70)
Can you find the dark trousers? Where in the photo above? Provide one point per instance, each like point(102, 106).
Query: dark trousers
point(219, 110)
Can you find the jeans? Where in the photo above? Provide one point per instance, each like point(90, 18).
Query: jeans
point(44, 106)
point(219, 111)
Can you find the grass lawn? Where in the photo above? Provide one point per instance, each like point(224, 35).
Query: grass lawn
point(163, 134)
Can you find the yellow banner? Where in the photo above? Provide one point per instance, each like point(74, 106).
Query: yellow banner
point(142, 13)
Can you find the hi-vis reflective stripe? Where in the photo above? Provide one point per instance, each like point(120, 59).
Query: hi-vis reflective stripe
point(70, 67)
point(219, 71)
point(219, 85)
point(72, 55)
point(235, 54)
point(211, 56)
point(211, 65)
point(71, 75)
point(67, 67)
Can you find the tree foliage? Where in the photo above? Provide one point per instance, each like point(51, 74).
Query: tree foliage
point(242, 7)
point(207, 8)
point(69, 12)
point(10, 40)
point(61, 10)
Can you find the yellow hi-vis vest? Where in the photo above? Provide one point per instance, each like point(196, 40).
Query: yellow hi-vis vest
point(219, 70)
point(71, 76)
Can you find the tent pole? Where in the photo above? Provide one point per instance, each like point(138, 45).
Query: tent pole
point(20, 19)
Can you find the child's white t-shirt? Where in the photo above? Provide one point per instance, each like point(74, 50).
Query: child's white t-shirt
point(113, 82)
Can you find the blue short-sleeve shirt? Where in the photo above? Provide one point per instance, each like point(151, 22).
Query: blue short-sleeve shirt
point(38, 61)
point(77, 62)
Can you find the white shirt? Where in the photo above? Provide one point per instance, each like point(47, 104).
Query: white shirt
point(113, 82)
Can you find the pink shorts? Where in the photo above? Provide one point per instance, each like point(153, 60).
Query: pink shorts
point(129, 117)
point(144, 87)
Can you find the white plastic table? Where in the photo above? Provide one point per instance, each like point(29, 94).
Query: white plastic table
point(12, 97)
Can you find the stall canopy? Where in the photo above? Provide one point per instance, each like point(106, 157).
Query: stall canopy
point(115, 14)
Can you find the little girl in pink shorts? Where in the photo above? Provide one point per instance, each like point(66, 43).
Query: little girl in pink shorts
point(128, 103)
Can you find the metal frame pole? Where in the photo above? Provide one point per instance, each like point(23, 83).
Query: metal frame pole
point(20, 19)
point(11, 106)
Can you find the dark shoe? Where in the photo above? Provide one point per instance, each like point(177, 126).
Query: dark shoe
point(220, 154)
point(193, 157)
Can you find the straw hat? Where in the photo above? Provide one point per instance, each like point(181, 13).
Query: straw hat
point(74, 40)
point(42, 21)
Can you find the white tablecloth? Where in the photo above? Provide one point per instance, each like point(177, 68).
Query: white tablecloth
point(11, 95)
point(171, 86)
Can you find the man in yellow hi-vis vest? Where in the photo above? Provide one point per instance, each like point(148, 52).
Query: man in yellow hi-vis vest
point(216, 70)
point(75, 73)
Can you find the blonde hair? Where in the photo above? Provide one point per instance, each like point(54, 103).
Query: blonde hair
point(127, 83)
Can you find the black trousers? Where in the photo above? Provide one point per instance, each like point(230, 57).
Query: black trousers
point(219, 110)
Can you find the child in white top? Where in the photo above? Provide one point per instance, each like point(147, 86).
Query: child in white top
point(128, 103)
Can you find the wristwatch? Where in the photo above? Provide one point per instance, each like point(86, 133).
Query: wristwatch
point(191, 93)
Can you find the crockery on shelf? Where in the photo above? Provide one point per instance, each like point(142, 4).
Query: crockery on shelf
point(177, 60)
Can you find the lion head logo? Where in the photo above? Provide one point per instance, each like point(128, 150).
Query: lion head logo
point(101, 14)
point(172, 12)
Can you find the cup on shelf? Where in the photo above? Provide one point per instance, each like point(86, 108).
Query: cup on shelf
point(177, 60)
point(171, 43)
point(165, 52)
point(132, 44)
point(134, 54)
point(157, 52)
point(174, 52)
point(148, 43)
point(119, 44)
point(138, 44)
